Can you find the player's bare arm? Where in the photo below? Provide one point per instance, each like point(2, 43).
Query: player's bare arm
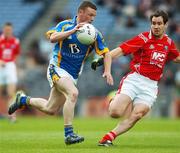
point(107, 68)
point(177, 60)
point(117, 52)
point(2, 63)
point(59, 36)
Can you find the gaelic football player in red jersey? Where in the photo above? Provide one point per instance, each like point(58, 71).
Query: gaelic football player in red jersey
point(138, 89)
point(9, 50)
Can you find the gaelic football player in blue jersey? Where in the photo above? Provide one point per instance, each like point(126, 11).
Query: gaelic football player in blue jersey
point(64, 67)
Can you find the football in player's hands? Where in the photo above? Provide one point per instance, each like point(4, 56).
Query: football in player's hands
point(86, 34)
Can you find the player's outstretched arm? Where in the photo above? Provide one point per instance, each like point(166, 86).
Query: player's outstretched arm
point(117, 52)
point(2, 63)
point(107, 68)
point(177, 60)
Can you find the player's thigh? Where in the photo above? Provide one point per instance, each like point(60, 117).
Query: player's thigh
point(140, 110)
point(67, 86)
point(56, 100)
point(120, 103)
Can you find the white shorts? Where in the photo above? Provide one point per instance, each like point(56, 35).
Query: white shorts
point(139, 88)
point(54, 73)
point(8, 74)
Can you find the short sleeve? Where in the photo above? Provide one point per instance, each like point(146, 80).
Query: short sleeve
point(58, 28)
point(134, 44)
point(173, 52)
point(100, 45)
point(18, 48)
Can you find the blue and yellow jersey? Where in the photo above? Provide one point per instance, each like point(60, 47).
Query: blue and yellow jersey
point(70, 54)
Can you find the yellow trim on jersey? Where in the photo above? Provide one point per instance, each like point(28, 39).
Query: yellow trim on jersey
point(59, 53)
point(48, 34)
point(55, 78)
point(100, 52)
point(87, 53)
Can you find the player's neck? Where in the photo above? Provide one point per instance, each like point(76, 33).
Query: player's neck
point(8, 37)
point(159, 37)
point(79, 20)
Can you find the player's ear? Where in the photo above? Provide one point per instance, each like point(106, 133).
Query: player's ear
point(80, 11)
point(166, 25)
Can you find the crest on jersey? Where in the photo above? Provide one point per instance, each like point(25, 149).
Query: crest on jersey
point(166, 48)
point(143, 37)
point(151, 46)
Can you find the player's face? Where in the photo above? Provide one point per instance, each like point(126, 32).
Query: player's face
point(87, 15)
point(7, 31)
point(158, 27)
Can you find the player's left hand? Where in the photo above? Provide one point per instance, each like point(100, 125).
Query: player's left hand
point(94, 65)
point(97, 62)
point(108, 77)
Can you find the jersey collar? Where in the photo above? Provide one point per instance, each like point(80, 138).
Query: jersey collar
point(74, 20)
point(151, 36)
point(4, 38)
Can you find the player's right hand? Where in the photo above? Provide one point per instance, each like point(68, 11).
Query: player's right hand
point(108, 77)
point(76, 28)
point(2, 63)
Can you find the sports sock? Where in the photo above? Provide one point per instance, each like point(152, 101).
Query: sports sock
point(68, 130)
point(109, 136)
point(25, 100)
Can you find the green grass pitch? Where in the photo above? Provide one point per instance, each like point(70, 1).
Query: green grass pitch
point(45, 135)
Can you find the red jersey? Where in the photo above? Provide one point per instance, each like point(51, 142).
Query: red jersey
point(150, 54)
point(9, 48)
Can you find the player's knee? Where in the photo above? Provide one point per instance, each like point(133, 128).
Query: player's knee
point(115, 113)
point(50, 111)
point(74, 95)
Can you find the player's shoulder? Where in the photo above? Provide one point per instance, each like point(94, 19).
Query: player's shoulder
point(145, 36)
point(64, 22)
point(99, 33)
point(1, 37)
point(168, 39)
point(16, 40)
